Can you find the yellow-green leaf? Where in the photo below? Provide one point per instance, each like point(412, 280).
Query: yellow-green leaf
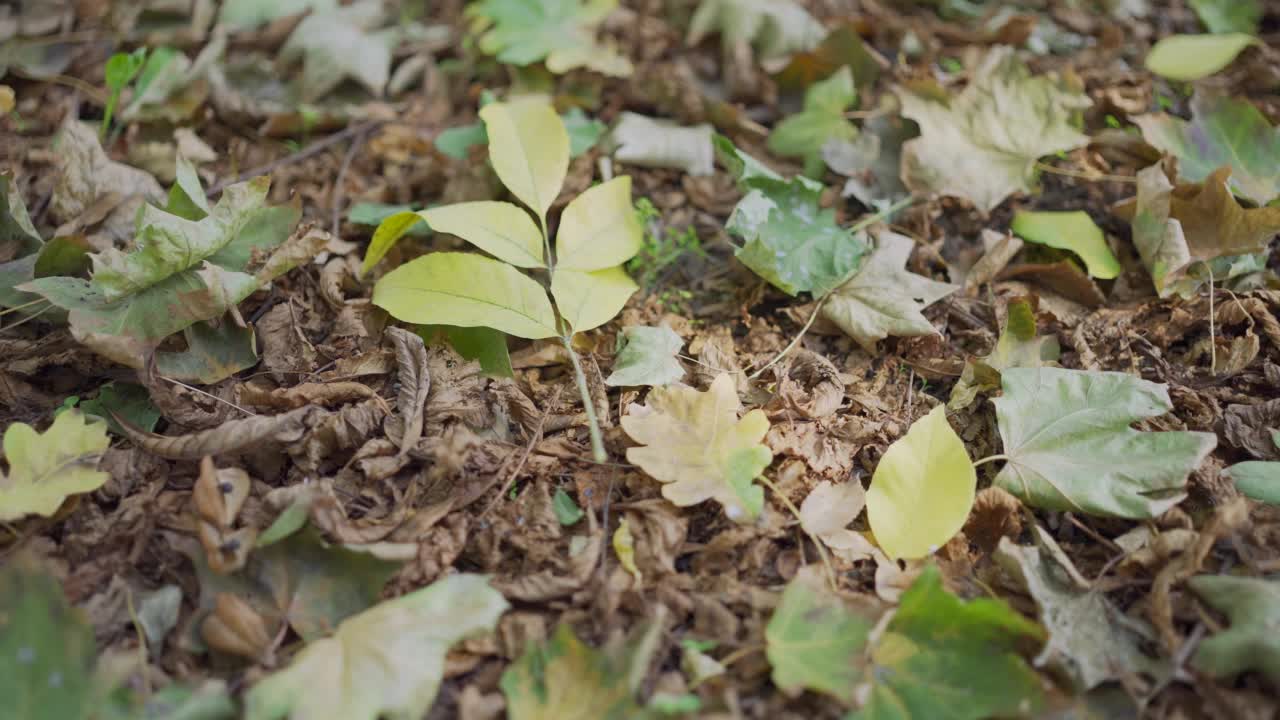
point(922, 490)
point(599, 229)
point(499, 228)
point(624, 546)
point(590, 299)
point(44, 469)
point(529, 149)
point(1074, 231)
point(389, 231)
point(1191, 57)
point(466, 290)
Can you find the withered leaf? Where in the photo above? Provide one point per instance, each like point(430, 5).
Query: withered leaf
point(230, 437)
point(415, 384)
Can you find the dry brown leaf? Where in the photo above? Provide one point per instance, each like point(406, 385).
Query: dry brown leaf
point(1248, 427)
point(233, 436)
point(405, 429)
point(333, 393)
point(1063, 277)
point(219, 494)
point(555, 583)
point(658, 533)
point(809, 384)
point(996, 513)
point(234, 627)
point(1000, 249)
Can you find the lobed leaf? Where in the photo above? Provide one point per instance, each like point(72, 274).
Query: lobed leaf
point(47, 468)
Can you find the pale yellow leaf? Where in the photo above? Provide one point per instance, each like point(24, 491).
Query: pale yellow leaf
point(529, 150)
point(499, 228)
point(466, 290)
point(695, 443)
point(599, 229)
point(624, 546)
point(922, 489)
point(588, 300)
point(45, 469)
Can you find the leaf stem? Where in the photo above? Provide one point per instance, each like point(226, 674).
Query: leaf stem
point(588, 405)
point(990, 458)
point(794, 341)
point(822, 551)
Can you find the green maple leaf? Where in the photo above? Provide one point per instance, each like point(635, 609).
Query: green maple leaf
point(983, 144)
point(822, 120)
point(1253, 605)
point(559, 32)
point(790, 240)
point(47, 468)
point(1223, 131)
point(341, 43)
point(1069, 445)
point(648, 358)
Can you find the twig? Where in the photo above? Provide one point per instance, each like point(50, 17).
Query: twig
point(794, 341)
point(990, 458)
point(588, 403)
point(28, 318)
point(356, 142)
point(1213, 337)
point(306, 152)
point(179, 383)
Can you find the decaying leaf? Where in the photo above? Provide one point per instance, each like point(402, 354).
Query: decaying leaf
point(47, 468)
point(1018, 346)
point(821, 121)
point(1186, 232)
point(775, 27)
point(883, 298)
point(1069, 445)
point(827, 511)
point(341, 42)
point(1223, 131)
point(1253, 607)
point(873, 160)
point(648, 358)
point(388, 660)
point(87, 174)
point(230, 437)
point(922, 490)
point(415, 385)
point(1089, 638)
point(983, 144)
point(695, 444)
point(649, 142)
point(561, 33)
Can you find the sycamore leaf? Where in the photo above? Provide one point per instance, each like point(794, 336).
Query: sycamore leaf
point(341, 43)
point(922, 490)
point(694, 443)
point(1191, 57)
point(815, 641)
point(943, 658)
point(648, 358)
point(501, 229)
point(1223, 131)
point(599, 229)
point(1228, 16)
point(386, 661)
point(1184, 232)
point(1070, 446)
point(442, 288)
point(1074, 231)
point(1018, 346)
point(873, 160)
point(822, 119)
point(249, 14)
point(588, 300)
point(1253, 607)
point(1090, 640)
point(565, 679)
point(47, 468)
point(529, 150)
point(884, 299)
point(983, 144)
point(775, 28)
point(47, 646)
point(1258, 479)
point(561, 32)
point(789, 239)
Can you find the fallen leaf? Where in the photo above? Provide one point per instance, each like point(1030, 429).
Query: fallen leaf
point(922, 490)
point(1185, 232)
point(415, 385)
point(566, 510)
point(1090, 640)
point(47, 645)
point(651, 142)
point(564, 679)
point(883, 299)
point(775, 28)
point(86, 173)
point(1228, 16)
point(1074, 231)
point(937, 649)
point(624, 547)
point(1018, 346)
point(1258, 479)
point(983, 144)
point(842, 47)
point(47, 468)
point(827, 511)
point(249, 14)
point(339, 43)
point(1069, 446)
point(388, 660)
point(648, 358)
point(815, 639)
point(232, 436)
point(1191, 57)
point(563, 34)
point(1253, 607)
point(789, 239)
point(127, 400)
point(1223, 131)
point(694, 443)
point(821, 120)
point(873, 161)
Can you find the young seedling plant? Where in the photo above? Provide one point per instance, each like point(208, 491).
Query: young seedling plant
point(598, 232)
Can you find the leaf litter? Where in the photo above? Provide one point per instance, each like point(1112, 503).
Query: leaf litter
point(234, 486)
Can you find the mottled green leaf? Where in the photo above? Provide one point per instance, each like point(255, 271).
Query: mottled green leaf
point(129, 401)
point(775, 28)
point(47, 468)
point(566, 510)
point(249, 14)
point(1258, 479)
point(342, 42)
point(1070, 446)
point(647, 358)
point(560, 32)
point(821, 120)
point(1253, 607)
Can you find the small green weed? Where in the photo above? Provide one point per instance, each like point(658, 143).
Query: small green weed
point(662, 247)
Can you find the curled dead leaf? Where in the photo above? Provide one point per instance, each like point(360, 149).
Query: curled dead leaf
point(219, 493)
point(405, 429)
point(555, 583)
point(230, 437)
point(236, 628)
point(292, 398)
